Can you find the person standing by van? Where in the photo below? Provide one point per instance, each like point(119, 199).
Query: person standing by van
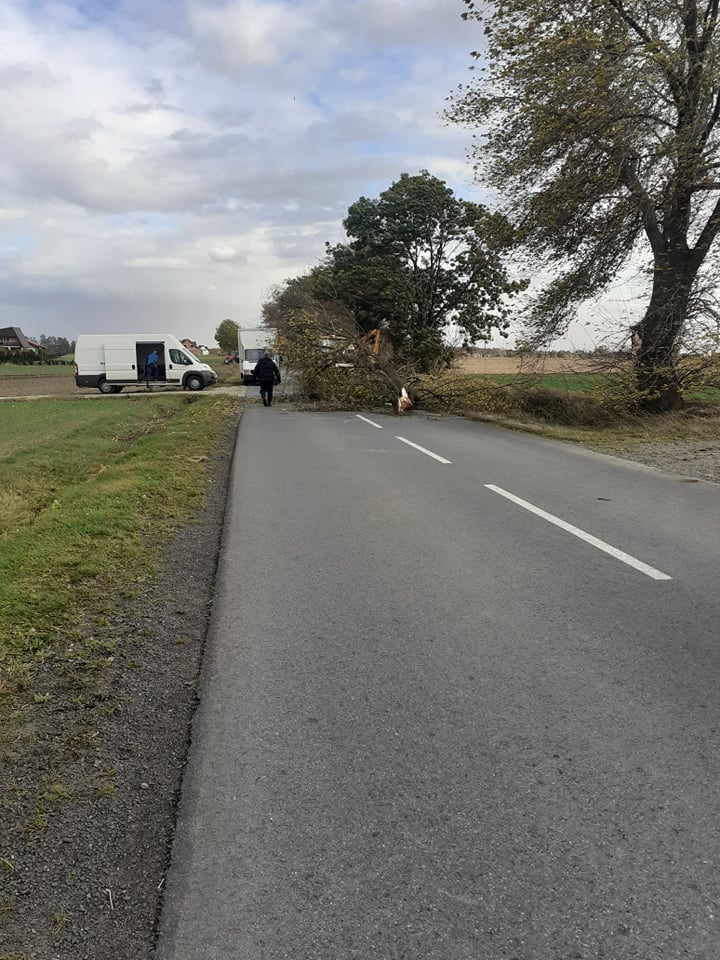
point(267, 375)
point(151, 365)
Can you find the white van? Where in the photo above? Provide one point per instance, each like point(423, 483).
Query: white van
point(251, 346)
point(111, 362)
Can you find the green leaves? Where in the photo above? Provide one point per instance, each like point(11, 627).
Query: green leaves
point(418, 260)
point(227, 336)
point(599, 124)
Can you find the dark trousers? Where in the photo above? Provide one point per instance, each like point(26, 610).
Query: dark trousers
point(266, 391)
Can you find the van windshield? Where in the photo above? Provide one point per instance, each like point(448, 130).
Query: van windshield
point(254, 355)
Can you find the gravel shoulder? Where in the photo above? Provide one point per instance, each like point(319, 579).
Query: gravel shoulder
point(87, 885)
point(690, 459)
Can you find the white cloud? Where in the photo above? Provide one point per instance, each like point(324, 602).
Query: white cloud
point(158, 263)
point(250, 33)
point(187, 155)
point(223, 253)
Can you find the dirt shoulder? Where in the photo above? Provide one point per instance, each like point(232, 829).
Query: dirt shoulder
point(691, 459)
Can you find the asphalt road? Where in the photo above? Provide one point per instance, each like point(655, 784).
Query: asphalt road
point(435, 723)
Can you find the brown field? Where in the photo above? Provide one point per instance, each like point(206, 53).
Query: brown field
point(63, 386)
point(532, 365)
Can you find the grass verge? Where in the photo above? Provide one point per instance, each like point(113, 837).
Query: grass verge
point(699, 422)
point(593, 408)
point(89, 494)
point(36, 370)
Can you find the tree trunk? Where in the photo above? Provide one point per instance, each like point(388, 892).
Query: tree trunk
point(656, 359)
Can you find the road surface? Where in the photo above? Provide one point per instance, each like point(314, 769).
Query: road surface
point(459, 701)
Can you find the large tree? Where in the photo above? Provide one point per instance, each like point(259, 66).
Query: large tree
point(418, 260)
point(56, 346)
point(226, 336)
point(598, 119)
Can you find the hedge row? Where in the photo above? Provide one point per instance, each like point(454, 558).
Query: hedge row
point(29, 357)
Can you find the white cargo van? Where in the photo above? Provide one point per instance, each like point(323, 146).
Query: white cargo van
point(111, 362)
point(251, 346)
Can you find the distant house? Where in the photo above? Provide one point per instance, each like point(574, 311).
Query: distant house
point(12, 338)
point(191, 346)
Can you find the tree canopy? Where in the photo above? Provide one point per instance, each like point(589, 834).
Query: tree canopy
point(226, 336)
point(418, 260)
point(598, 120)
point(56, 346)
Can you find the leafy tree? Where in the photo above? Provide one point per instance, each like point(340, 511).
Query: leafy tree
point(418, 260)
point(330, 356)
point(287, 303)
point(56, 346)
point(226, 336)
point(312, 335)
point(599, 119)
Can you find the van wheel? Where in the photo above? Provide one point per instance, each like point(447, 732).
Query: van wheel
point(105, 387)
point(194, 382)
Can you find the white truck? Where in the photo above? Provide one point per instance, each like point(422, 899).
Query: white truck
point(113, 361)
point(251, 346)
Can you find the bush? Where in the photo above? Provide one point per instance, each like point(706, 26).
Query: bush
point(22, 357)
point(340, 386)
point(558, 406)
point(455, 393)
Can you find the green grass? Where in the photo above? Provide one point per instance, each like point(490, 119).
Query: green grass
point(580, 383)
point(711, 394)
point(36, 370)
point(88, 494)
point(572, 382)
point(691, 425)
point(228, 373)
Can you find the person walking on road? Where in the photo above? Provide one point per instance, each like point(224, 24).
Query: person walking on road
point(267, 375)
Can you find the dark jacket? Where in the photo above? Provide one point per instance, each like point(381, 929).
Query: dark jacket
point(266, 371)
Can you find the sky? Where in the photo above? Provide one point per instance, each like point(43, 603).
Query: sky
point(165, 164)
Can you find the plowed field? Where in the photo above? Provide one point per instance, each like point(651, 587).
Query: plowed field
point(514, 365)
point(39, 386)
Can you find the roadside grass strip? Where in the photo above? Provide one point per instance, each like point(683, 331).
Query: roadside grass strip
point(582, 535)
point(89, 494)
point(37, 370)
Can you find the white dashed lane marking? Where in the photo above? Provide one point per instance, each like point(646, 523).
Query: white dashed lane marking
point(365, 420)
point(427, 453)
point(582, 535)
